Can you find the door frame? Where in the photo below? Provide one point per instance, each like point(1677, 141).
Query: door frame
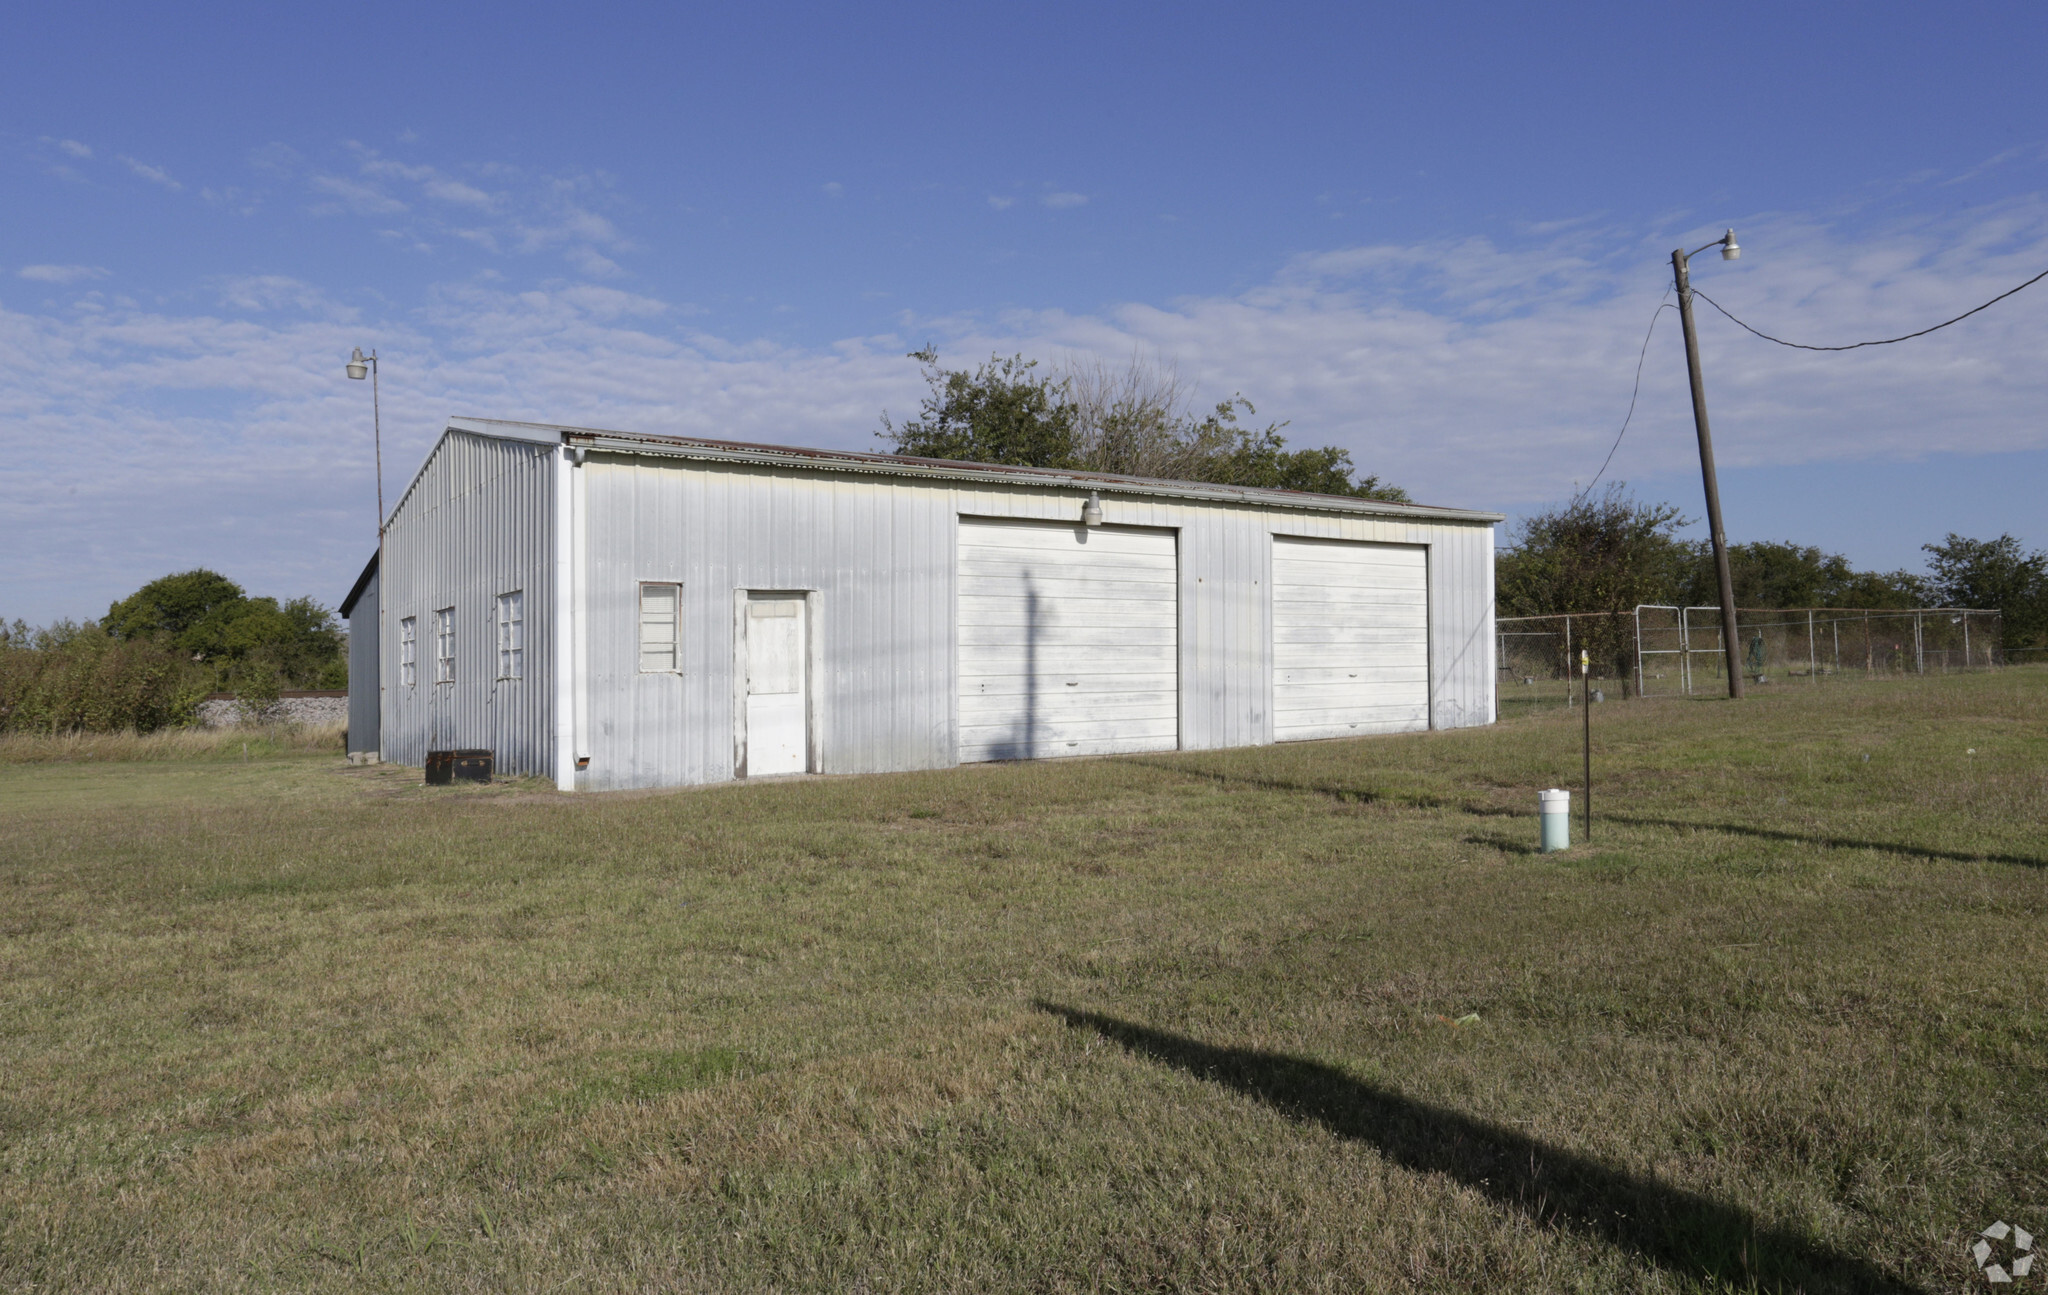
point(814, 672)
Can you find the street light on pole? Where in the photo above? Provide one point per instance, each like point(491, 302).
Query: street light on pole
point(358, 365)
point(1680, 270)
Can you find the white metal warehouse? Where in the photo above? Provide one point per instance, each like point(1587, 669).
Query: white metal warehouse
point(612, 609)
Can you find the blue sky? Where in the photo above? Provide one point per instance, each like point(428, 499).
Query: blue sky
point(1433, 235)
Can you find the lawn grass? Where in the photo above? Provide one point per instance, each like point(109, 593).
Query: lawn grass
point(1311, 1017)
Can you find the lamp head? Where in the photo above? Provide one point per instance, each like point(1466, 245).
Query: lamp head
point(1091, 512)
point(358, 367)
point(1730, 249)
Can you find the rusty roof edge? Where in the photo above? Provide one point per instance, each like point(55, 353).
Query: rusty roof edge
point(951, 470)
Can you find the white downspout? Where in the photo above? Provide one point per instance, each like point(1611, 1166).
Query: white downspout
point(566, 664)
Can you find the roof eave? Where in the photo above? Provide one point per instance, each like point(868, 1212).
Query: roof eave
point(362, 583)
point(948, 470)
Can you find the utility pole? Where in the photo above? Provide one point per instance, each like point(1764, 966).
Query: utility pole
point(1680, 271)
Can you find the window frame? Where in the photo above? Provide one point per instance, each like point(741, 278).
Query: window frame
point(512, 635)
point(444, 645)
point(409, 651)
point(675, 626)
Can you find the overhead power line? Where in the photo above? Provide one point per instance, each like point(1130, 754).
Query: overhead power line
point(1801, 346)
point(1883, 341)
point(1662, 306)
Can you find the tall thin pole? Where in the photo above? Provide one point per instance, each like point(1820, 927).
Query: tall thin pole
point(1699, 419)
point(1586, 705)
point(377, 434)
point(383, 595)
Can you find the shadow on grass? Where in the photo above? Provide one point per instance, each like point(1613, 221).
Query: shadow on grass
point(1357, 795)
point(1682, 1232)
point(1832, 842)
point(1425, 800)
point(1505, 844)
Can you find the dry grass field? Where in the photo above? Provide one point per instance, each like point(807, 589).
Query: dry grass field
point(1305, 1018)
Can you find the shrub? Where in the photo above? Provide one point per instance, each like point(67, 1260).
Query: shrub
point(72, 677)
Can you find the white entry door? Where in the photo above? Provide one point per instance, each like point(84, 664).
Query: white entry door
point(778, 697)
point(1350, 638)
point(1069, 640)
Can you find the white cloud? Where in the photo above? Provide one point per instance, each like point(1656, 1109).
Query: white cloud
point(61, 273)
point(1061, 200)
point(153, 174)
point(432, 182)
point(447, 190)
point(593, 263)
point(1001, 203)
point(834, 189)
point(270, 292)
point(75, 148)
point(356, 196)
point(1470, 372)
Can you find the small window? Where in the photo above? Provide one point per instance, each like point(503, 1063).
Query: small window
point(444, 645)
point(512, 635)
point(409, 651)
point(658, 608)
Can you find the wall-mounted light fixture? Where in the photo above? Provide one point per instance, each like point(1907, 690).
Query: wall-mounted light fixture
point(1091, 512)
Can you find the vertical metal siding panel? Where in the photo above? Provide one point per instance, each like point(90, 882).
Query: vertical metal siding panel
point(878, 553)
point(1460, 624)
point(1205, 557)
point(474, 524)
point(365, 676)
point(1247, 577)
point(1191, 685)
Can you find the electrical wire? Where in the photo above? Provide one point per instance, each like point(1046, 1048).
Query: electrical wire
point(1886, 341)
point(1662, 306)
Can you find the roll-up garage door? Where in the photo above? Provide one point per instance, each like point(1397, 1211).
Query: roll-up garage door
point(1069, 640)
point(1350, 638)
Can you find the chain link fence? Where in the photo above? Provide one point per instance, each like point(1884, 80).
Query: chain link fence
point(1678, 651)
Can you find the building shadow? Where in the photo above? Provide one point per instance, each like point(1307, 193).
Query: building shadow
point(1686, 1234)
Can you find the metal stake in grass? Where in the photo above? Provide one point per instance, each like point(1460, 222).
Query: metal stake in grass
point(1586, 705)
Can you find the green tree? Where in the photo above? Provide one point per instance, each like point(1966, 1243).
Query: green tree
point(1599, 553)
point(1881, 589)
point(1261, 458)
point(245, 643)
point(1002, 412)
point(170, 606)
point(1769, 573)
point(1134, 421)
point(1993, 574)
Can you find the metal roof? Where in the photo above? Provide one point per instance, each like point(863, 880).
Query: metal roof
point(896, 465)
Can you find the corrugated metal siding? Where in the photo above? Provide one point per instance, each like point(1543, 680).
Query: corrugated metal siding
point(880, 556)
point(879, 552)
point(363, 691)
point(477, 522)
